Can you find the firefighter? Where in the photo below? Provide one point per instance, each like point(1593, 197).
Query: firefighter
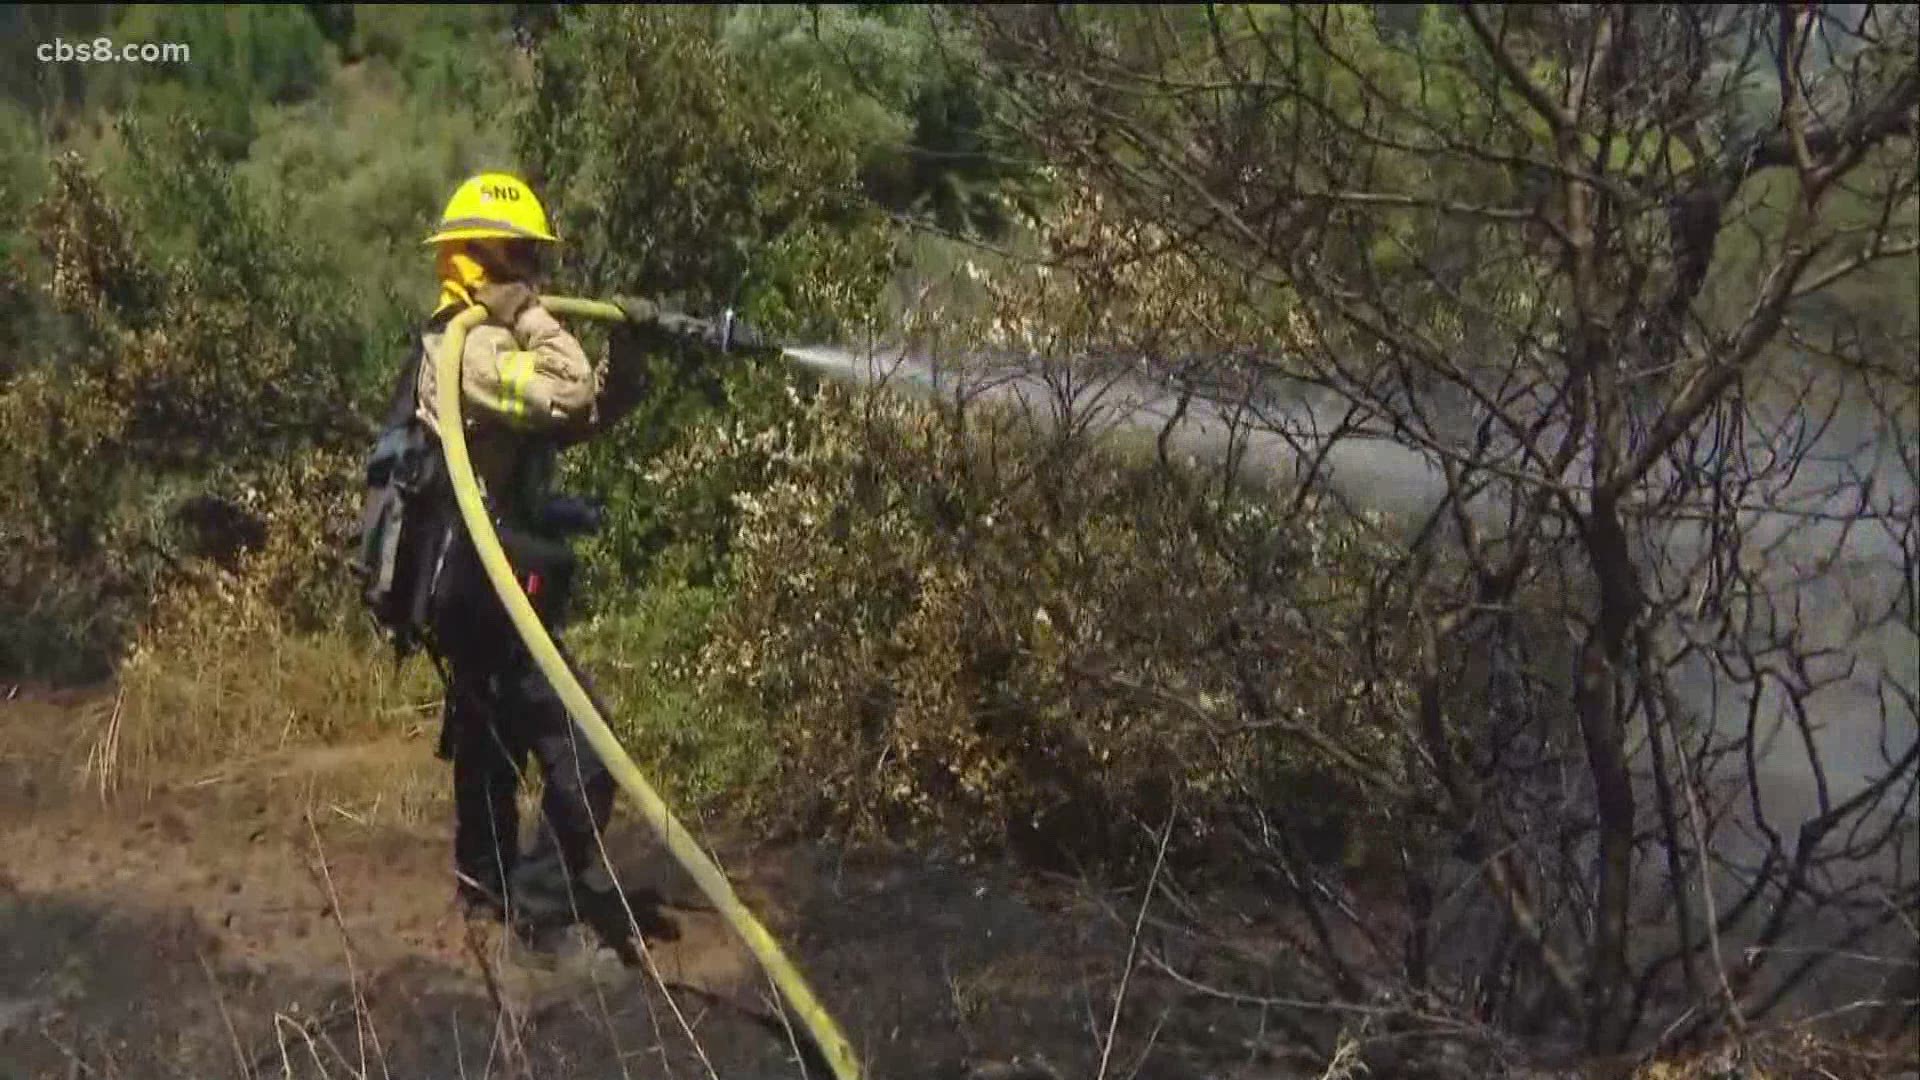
point(528, 390)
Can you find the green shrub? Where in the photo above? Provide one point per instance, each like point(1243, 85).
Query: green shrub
point(187, 359)
point(672, 172)
point(904, 82)
point(663, 528)
point(452, 59)
point(638, 656)
point(1004, 638)
point(242, 59)
point(358, 174)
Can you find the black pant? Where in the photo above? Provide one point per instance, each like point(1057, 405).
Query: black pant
point(500, 712)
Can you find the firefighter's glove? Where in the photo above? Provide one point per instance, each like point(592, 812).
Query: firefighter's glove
point(505, 301)
point(633, 338)
point(631, 344)
point(689, 328)
point(639, 312)
point(647, 325)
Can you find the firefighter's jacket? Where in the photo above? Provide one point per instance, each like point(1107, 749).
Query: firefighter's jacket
point(526, 392)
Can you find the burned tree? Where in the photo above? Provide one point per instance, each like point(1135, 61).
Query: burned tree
point(1637, 285)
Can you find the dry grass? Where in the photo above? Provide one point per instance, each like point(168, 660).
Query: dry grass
point(1788, 1054)
point(1346, 1063)
point(222, 690)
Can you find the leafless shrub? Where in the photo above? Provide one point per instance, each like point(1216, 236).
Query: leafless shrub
point(1625, 295)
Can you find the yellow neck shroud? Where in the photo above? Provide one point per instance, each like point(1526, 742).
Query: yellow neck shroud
point(460, 274)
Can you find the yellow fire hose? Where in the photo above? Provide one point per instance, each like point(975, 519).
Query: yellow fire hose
point(799, 997)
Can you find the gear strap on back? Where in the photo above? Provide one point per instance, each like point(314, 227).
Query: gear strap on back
point(405, 519)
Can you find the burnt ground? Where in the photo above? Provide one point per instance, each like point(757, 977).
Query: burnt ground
point(264, 918)
point(238, 925)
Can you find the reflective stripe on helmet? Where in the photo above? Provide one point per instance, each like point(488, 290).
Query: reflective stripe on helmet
point(507, 229)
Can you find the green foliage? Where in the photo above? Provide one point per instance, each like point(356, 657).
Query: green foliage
point(451, 59)
point(49, 89)
point(357, 174)
point(640, 654)
point(241, 58)
point(677, 528)
point(23, 175)
point(23, 155)
point(671, 170)
point(1000, 637)
point(250, 356)
point(194, 356)
point(673, 173)
point(905, 83)
point(335, 23)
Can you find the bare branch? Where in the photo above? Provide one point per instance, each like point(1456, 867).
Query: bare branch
point(1556, 117)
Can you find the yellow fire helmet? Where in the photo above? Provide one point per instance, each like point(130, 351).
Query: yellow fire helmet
point(494, 205)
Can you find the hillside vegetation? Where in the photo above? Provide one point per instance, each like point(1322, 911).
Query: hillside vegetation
point(1608, 269)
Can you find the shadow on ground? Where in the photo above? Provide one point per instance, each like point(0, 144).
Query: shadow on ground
point(228, 930)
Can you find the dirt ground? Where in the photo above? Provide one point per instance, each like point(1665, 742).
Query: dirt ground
point(292, 917)
point(238, 924)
